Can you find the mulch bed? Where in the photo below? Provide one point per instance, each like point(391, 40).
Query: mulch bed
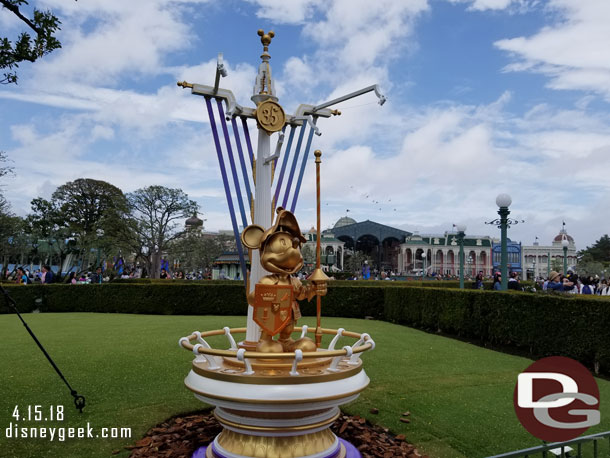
point(179, 437)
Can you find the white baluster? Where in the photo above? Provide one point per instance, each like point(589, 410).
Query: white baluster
point(201, 340)
point(240, 357)
point(298, 357)
point(336, 339)
point(230, 337)
point(212, 364)
point(353, 361)
point(335, 363)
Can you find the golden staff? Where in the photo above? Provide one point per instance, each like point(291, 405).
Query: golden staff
point(318, 275)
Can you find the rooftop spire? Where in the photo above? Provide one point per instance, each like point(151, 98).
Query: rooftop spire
point(266, 41)
point(263, 87)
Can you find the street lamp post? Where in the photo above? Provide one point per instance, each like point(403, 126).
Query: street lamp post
point(503, 201)
point(424, 262)
point(534, 275)
point(461, 229)
point(564, 244)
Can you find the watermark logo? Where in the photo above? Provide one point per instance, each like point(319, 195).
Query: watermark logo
point(556, 399)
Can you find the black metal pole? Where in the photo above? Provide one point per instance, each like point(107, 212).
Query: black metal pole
point(79, 401)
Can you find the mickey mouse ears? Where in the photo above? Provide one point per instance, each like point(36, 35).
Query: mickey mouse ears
point(254, 236)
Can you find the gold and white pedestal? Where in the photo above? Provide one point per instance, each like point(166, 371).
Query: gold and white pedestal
point(278, 405)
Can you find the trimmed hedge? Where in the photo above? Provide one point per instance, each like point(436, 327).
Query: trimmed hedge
point(156, 299)
point(453, 284)
point(180, 298)
point(536, 324)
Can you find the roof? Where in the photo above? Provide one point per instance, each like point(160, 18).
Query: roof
point(327, 237)
point(228, 258)
point(344, 221)
point(194, 221)
point(446, 240)
point(377, 230)
point(559, 237)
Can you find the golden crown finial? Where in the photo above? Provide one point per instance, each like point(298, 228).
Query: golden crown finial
point(265, 38)
point(317, 153)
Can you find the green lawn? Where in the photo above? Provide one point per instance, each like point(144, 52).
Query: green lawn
point(131, 371)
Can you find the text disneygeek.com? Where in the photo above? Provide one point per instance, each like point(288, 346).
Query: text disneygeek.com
point(61, 433)
point(24, 416)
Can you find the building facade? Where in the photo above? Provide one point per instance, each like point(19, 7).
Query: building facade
point(378, 241)
point(538, 260)
point(439, 255)
point(331, 249)
point(513, 249)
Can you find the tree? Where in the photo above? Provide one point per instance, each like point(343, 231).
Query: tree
point(85, 213)
point(5, 169)
point(557, 264)
point(92, 210)
point(196, 252)
point(599, 251)
point(8, 226)
point(47, 224)
point(309, 254)
point(355, 262)
point(152, 224)
point(5, 207)
point(43, 23)
point(590, 268)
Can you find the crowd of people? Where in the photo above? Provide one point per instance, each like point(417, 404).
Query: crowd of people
point(570, 283)
point(23, 275)
point(575, 284)
point(44, 275)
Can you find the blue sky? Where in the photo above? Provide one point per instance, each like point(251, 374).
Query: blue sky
point(484, 97)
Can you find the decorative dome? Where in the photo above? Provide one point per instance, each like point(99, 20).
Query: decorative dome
point(559, 237)
point(193, 221)
point(344, 221)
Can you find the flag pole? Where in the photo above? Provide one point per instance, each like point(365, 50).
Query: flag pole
point(318, 275)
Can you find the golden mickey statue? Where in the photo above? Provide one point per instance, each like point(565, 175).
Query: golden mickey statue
point(275, 296)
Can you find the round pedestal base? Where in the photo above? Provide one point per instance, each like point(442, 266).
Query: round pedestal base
point(281, 407)
point(346, 450)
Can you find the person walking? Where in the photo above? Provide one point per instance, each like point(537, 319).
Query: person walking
point(46, 276)
point(513, 282)
point(557, 284)
point(587, 286)
point(22, 276)
point(97, 278)
point(497, 281)
point(478, 284)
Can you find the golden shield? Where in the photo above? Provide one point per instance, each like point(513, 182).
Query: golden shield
point(273, 307)
point(270, 115)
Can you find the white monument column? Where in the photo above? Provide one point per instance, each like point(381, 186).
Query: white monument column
point(264, 92)
point(262, 217)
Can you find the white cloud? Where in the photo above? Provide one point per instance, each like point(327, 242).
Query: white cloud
point(572, 52)
point(358, 34)
point(127, 39)
point(281, 11)
point(511, 5)
point(435, 164)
